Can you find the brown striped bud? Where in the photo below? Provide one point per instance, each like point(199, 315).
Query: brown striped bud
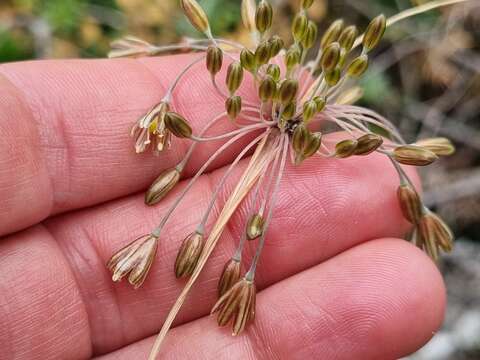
point(306, 4)
point(267, 89)
point(330, 57)
point(321, 103)
point(293, 56)
point(439, 146)
point(333, 77)
point(310, 36)
point(313, 145)
point(274, 71)
point(300, 138)
point(347, 37)
point(332, 33)
point(299, 26)
point(177, 125)
point(288, 91)
point(196, 15)
point(414, 155)
point(309, 110)
point(374, 32)
point(262, 53)
point(188, 255)
point(248, 14)
point(233, 105)
point(263, 16)
point(234, 76)
point(434, 235)
point(230, 276)
point(162, 185)
point(345, 148)
point(214, 59)
point(410, 203)
point(247, 59)
point(289, 110)
point(276, 44)
point(368, 143)
point(255, 227)
point(358, 66)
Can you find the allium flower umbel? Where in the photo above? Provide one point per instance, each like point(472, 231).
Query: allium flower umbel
point(306, 87)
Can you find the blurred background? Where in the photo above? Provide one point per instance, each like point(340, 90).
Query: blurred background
point(425, 78)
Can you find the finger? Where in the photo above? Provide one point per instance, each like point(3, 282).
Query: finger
point(381, 300)
point(67, 125)
point(349, 215)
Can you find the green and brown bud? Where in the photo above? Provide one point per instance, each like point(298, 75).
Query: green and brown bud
point(414, 155)
point(248, 14)
point(309, 110)
point(347, 37)
point(358, 66)
point(188, 255)
point(177, 125)
point(368, 143)
point(293, 56)
point(299, 26)
point(332, 33)
point(262, 53)
point(247, 59)
point(346, 148)
point(300, 138)
point(310, 36)
point(307, 4)
point(214, 59)
point(330, 57)
point(434, 235)
point(162, 185)
point(289, 110)
point(274, 71)
point(276, 44)
point(264, 16)
point(237, 305)
point(321, 103)
point(230, 276)
point(255, 226)
point(234, 76)
point(439, 146)
point(233, 106)
point(267, 89)
point(333, 77)
point(374, 32)
point(313, 145)
point(196, 15)
point(410, 203)
point(288, 91)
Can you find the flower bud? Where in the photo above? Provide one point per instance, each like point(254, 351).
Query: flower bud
point(289, 110)
point(230, 276)
point(274, 71)
point(368, 143)
point(347, 37)
point(188, 255)
point(196, 15)
point(333, 77)
point(299, 26)
point(439, 146)
point(309, 110)
point(434, 234)
point(293, 56)
point(247, 59)
point(374, 32)
point(321, 103)
point(314, 142)
point(267, 89)
point(262, 53)
point(332, 33)
point(234, 76)
point(306, 4)
point(330, 57)
point(300, 138)
point(263, 16)
point(358, 66)
point(162, 185)
point(248, 14)
point(345, 148)
point(288, 91)
point(414, 155)
point(276, 44)
point(255, 227)
point(233, 105)
point(410, 203)
point(214, 59)
point(177, 125)
point(310, 36)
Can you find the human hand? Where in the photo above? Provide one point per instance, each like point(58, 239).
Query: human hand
point(334, 282)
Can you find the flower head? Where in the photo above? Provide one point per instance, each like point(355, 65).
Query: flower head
point(151, 129)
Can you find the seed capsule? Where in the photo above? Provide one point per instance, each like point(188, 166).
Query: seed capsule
point(309, 110)
point(267, 88)
point(410, 203)
point(414, 155)
point(374, 32)
point(162, 185)
point(234, 76)
point(262, 54)
point(439, 146)
point(293, 56)
point(306, 4)
point(300, 138)
point(196, 15)
point(289, 110)
point(233, 105)
point(255, 227)
point(332, 33)
point(230, 276)
point(330, 57)
point(345, 148)
point(321, 103)
point(276, 45)
point(358, 66)
point(247, 59)
point(177, 125)
point(214, 59)
point(263, 16)
point(299, 26)
point(347, 37)
point(368, 143)
point(310, 36)
point(313, 145)
point(274, 71)
point(248, 14)
point(288, 91)
point(333, 77)
point(188, 255)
